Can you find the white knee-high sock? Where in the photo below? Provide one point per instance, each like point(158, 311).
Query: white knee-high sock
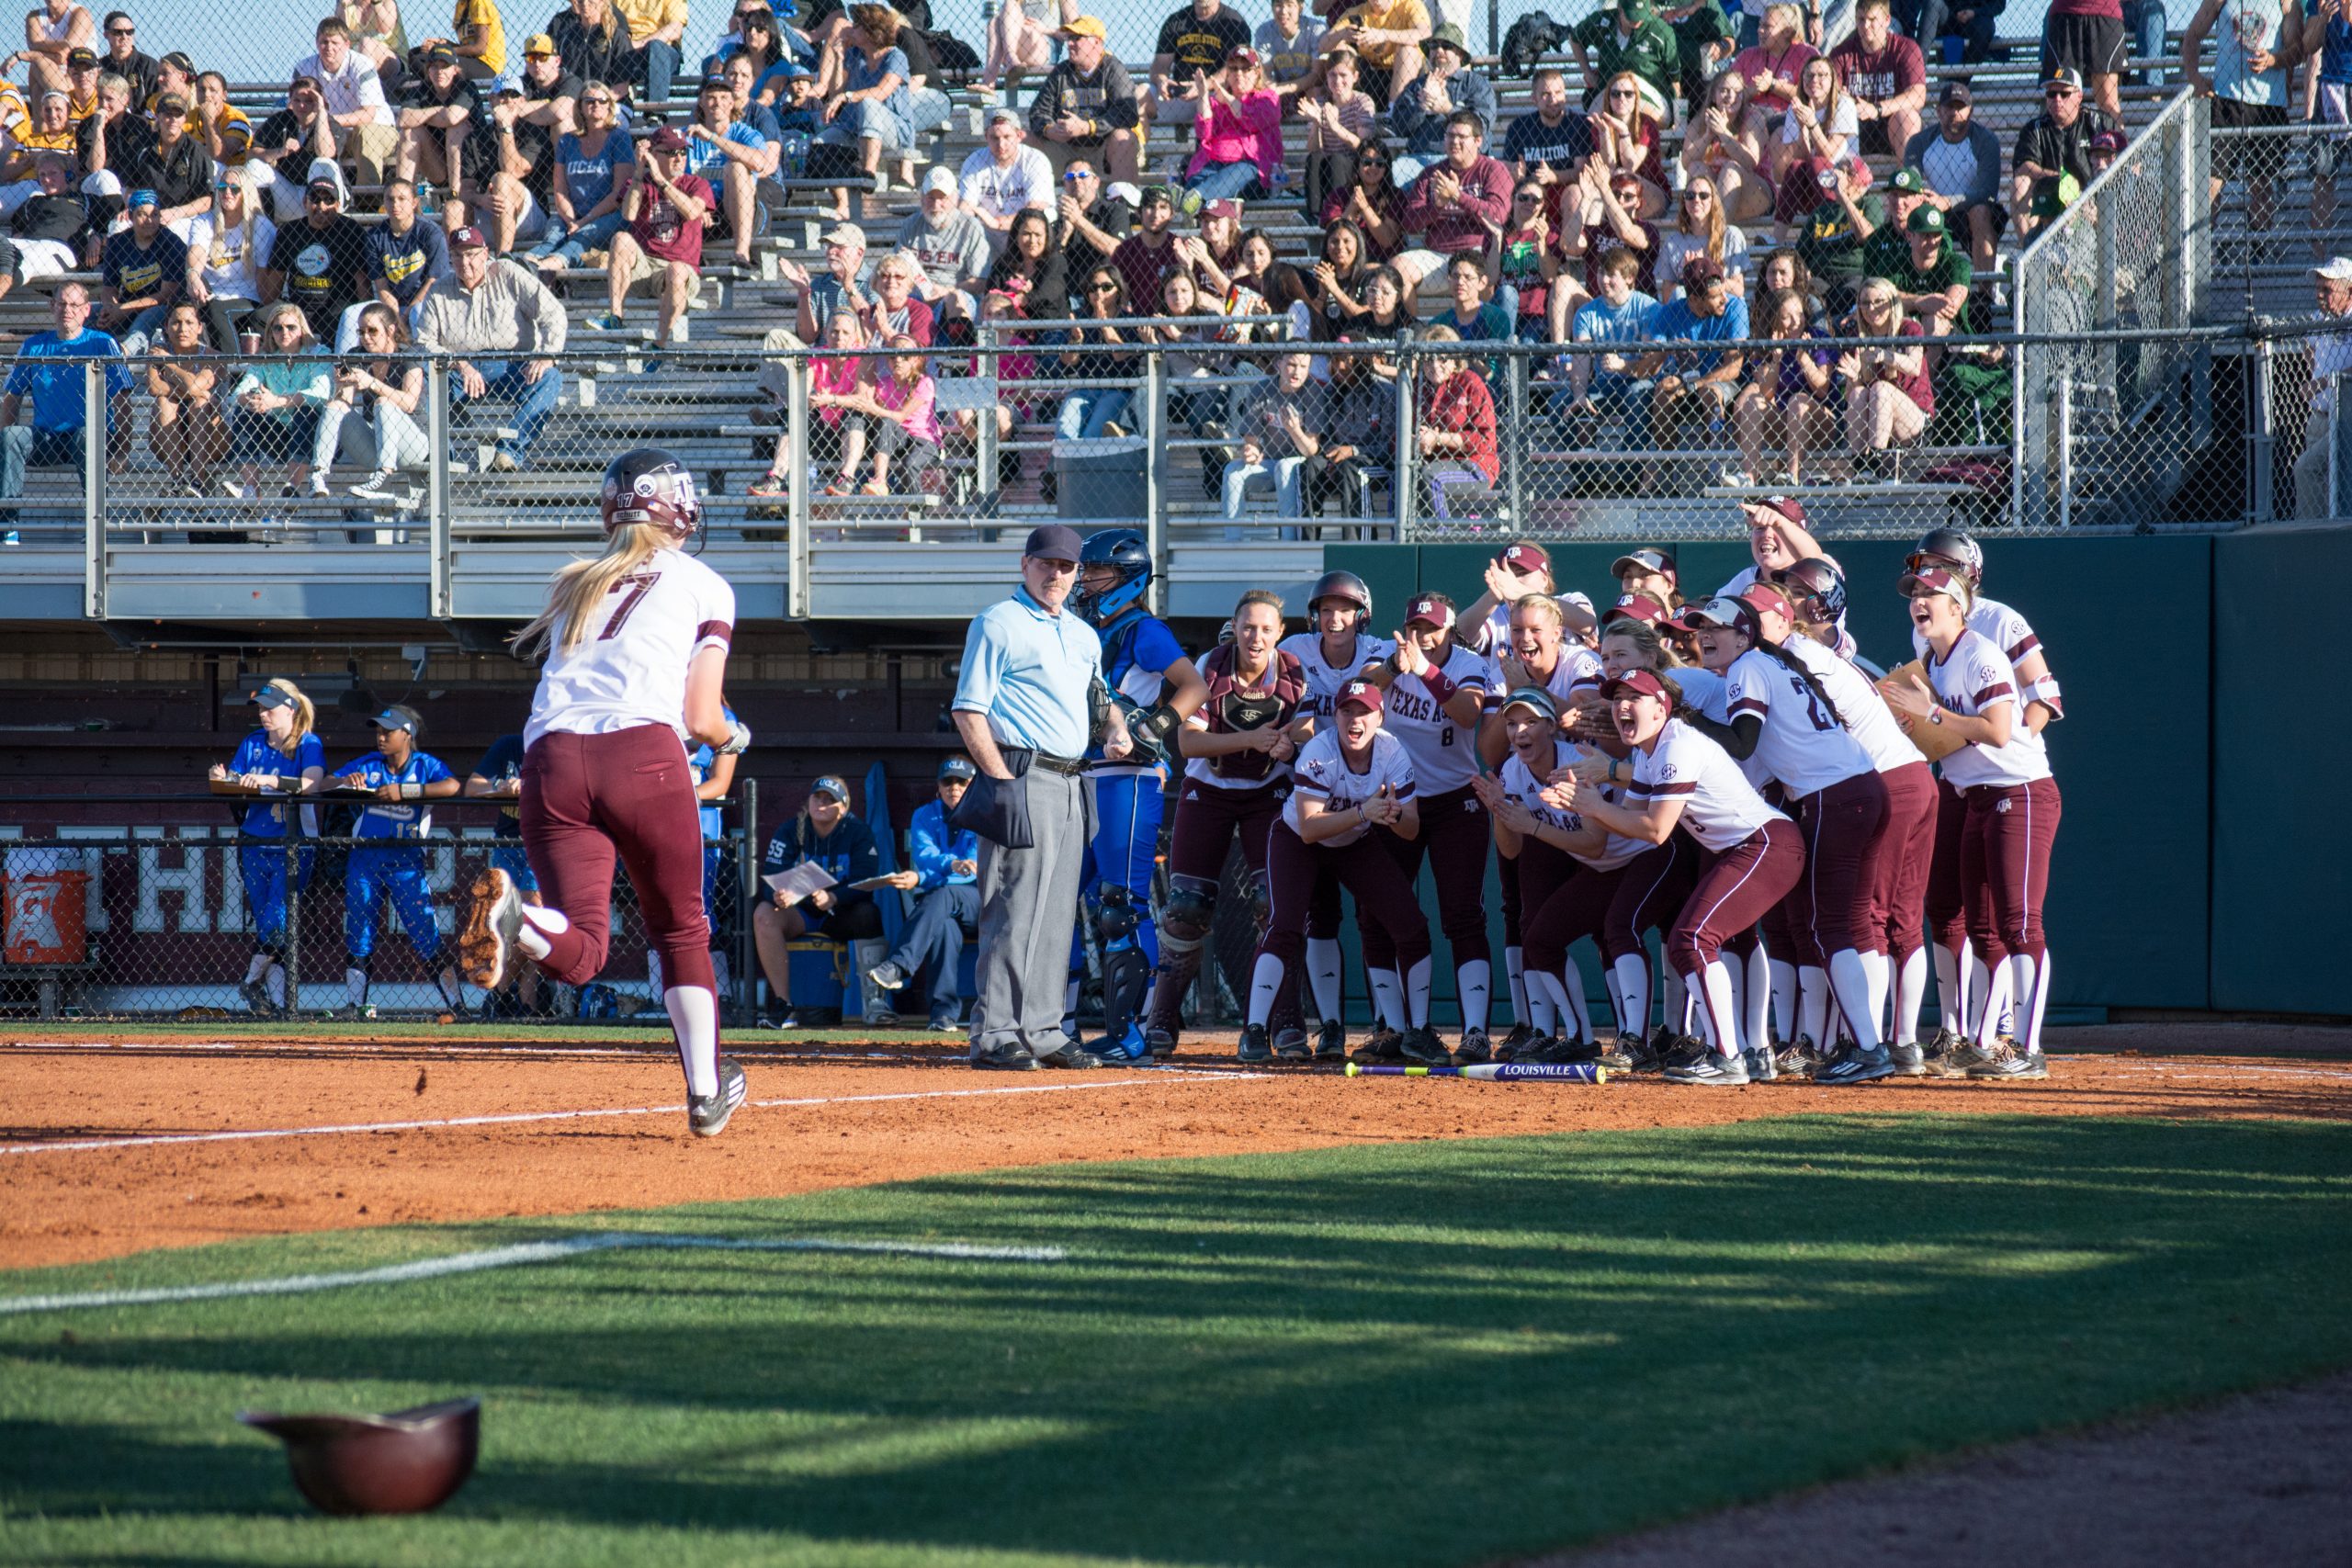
point(1388, 998)
point(1756, 1000)
point(1674, 1001)
point(1997, 1000)
point(1416, 993)
point(1784, 998)
point(1722, 1016)
point(257, 968)
point(1910, 996)
point(1323, 975)
point(1812, 1005)
point(1981, 999)
point(1475, 982)
point(2030, 1017)
point(694, 1017)
point(1515, 976)
point(1578, 1010)
point(1633, 971)
point(1543, 1011)
point(1876, 966)
point(1851, 981)
point(1265, 984)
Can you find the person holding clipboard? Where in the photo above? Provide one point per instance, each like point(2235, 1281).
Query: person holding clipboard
point(825, 836)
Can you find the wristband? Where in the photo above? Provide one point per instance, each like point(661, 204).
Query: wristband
point(1440, 687)
point(411, 792)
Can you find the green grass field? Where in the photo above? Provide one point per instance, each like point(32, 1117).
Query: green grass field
point(1433, 1353)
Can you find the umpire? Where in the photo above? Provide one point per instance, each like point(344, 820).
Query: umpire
point(1028, 700)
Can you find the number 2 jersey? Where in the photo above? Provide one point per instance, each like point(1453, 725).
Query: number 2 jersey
point(1322, 775)
point(630, 669)
point(1801, 743)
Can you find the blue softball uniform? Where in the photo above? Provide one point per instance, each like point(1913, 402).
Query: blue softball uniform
point(1129, 798)
point(393, 866)
point(263, 866)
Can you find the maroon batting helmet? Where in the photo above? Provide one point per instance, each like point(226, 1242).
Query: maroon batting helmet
point(649, 486)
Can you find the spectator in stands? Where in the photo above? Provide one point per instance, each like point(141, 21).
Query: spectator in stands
point(82, 74)
point(1602, 216)
point(437, 112)
point(375, 414)
point(2331, 357)
point(1608, 383)
point(141, 271)
point(1473, 316)
point(1031, 272)
point(1150, 249)
point(1004, 176)
point(1960, 162)
point(1341, 118)
point(185, 433)
point(825, 835)
point(1279, 426)
point(657, 35)
point(298, 144)
point(1787, 400)
point(1696, 388)
point(1455, 429)
point(1782, 271)
point(2054, 146)
point(124, 59)
point(226, 250)
point(1627, 140)
point(2327, 100)
point(50, 131)
point(1093, 221)
point(840, 287)
point(1193, 44)
point(1526, 261)
point(321, 264)
point(1885, 75)
point(1700, 231)
point(951, 247)
point(1021, 38)
point(509, 172)
point(2086, 38)
point(592, 42)
point(831, 379)
point(595, 166)
point(1889, 397)
point(1883, 244)
point(110, 142)
point(226, 133)
point(1815, 135)
point(1281, 286)
point(1422, 111)
point(1189, 356)
point(174, 73)
point(2259, 41)
point(1629, 37)
point(1371, 201)
point(377, 33)
point(1214, 254)
point(1386, 36)
point(1454, 201)
point(274, 408)
point(662, 245)
point(894, 311)
point(503, 327)
point(1387, 314)
point(50, 232)
point(1969, 27)
point(1088, 105)
point(1773, 64)
point(1359, 438)
point(1237, 131)
point(351, 88)
point(173, 165)
point(1829, 242)
point(1097, 354)
point(479, 39)
point(1704, 40)
point(870, 109)
point(945, 867)
point(1289, 42)
point(406, 257)
point(1931, 276)
point(1550, 142)
point(52, 32)
point(550, 92)
point(54, 437)
point(732, 158)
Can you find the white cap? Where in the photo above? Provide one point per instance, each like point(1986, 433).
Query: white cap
point(2335, 269)
point(941, 177)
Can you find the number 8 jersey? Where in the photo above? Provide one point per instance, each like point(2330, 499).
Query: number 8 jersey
point(1444, 754)
point(630, 669)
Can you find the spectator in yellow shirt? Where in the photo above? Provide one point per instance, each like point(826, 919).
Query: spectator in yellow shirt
point(223, 127)
point(1386, 36)
point(480, 43)
point(657, 31)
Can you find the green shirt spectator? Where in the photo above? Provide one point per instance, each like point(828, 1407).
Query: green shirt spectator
point(1629, 39)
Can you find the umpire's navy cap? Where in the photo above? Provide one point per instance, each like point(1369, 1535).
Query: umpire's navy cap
point(1053, 541)
point(398, 716)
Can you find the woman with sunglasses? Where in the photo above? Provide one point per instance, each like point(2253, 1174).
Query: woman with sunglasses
point(2002, 774)
point(595, 167)
point(1098, 354)
point(1626, 141)
point(1237, 130)
point(226, 248)
point(1372, 203)
point(1699, 230)
point(274, 406)
point(1725, 142)
point(1526, 259)
point(1889, 396)
point(377, 410)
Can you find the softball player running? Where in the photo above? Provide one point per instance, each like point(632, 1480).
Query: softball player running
point(388, 863)
point(1335, 649)
point(1436, 688)
point(1237, 751)
point(1352, 787)
point(2011, 823)
point(284, 754)
point(1682, 778)
point(635, 643)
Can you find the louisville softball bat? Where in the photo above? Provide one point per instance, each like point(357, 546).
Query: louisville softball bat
point(1493, 1072)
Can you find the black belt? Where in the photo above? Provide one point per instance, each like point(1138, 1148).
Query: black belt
point(1068, 767)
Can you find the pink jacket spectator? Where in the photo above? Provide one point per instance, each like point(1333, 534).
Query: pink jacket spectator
point(838, 377)
point(919, 399)
point(1460, 225)
point(1250, 131)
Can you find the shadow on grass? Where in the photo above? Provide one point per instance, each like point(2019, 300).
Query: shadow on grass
point(1428, 1353)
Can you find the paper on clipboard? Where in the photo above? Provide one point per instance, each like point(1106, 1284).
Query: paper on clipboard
point(863, 884)
point(793, 886)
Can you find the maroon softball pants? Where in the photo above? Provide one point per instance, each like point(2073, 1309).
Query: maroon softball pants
point(1947, 907)
point(1387, 912)
point(1905, 861)
point(1454, 838)
point(1564, 908)
point(1843, 829)
point(626, 795)
point(1208, 819)
point(1732, 893)
point(2005, 865)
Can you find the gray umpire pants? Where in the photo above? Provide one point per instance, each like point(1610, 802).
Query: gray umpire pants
point(1028, 907)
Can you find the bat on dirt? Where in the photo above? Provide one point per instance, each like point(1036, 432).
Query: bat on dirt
point(1493, 1072)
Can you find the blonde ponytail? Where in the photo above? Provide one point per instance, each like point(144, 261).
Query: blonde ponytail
point(581, 586)
point(306, 714)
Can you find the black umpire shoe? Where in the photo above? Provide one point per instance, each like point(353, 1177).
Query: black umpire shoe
point(1253, 1046)
point(1331, 1042)
point(708, 1114)
point(1473, 1049)
point(1385, 1045)
point(1005, 1058)
point(1423, 1045)
point(1072, 1057)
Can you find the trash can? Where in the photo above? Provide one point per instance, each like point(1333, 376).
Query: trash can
point(46, 918)
point(1102, 479)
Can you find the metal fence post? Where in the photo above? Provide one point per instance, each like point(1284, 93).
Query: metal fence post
point(95, 436)
point(1515, 441)
point(291, 841)
point(1408, 446)
point(796, 422)
point(987, 478)
point(746, 976)
point(2259, 438)
point(1155, 477)
point(440, 594)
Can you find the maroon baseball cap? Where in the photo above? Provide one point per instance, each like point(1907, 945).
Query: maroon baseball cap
point(1525, 558)
point(1935, 580)
point(1636, 683)
point(1787, 506)
point(1430, 610)
point(1765, 596)
point(1699, 268)
point(1636, 608)
point(1223, 209)
point(468, 239)
point(669, 139)
point(1363, 694)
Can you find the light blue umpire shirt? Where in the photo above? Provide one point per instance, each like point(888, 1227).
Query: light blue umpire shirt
point(1029, 672)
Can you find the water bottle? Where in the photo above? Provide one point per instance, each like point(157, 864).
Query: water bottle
point(426, 206)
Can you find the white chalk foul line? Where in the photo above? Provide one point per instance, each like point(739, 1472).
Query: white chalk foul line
point(512, 1117)
point(511, 1257)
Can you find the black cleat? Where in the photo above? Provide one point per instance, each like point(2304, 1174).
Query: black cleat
point(1161, 1040)
point(1520, 1036)
point(708, 1114)
point(1385, 1045)
point(1423, 1045)
point(1331, 1042)
point(1909, 1061)
point(1253, 1046)
point(1854, 1063)
point(1473, 1049)
point(1290, 1045)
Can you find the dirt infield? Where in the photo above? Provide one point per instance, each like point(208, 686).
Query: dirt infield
point(115, 1144)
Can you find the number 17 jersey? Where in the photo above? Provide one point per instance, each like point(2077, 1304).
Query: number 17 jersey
point(630, 669)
